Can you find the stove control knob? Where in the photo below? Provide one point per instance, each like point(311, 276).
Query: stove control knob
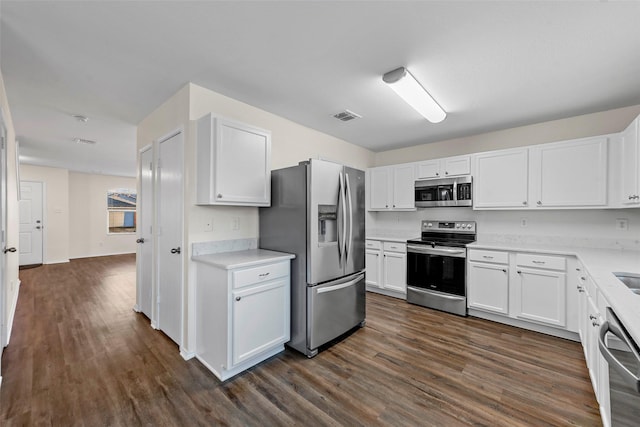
point(469, 226)
point(429, 225)
point(458, 225)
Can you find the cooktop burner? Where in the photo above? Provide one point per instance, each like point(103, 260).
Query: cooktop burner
point(446, 233)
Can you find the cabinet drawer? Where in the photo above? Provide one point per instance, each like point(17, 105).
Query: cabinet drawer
point(395, 247)
point(373, 244)
point(488, 256)
point(259, 274)
point(541, 261)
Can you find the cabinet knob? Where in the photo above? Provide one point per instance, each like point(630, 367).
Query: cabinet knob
point(394, 206)
point(630, 197)
point(386, 206)
point(595, 323)
point(592, 317)
point(519, 272)
point(238, 298)
point(446, 173)
point(437, 173)
point(504, 270)
point(583, 278)
point(219, 196)
point(524, 203)
point(538, 203)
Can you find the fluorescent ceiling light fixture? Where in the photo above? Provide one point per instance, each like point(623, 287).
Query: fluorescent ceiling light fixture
point(409, 89)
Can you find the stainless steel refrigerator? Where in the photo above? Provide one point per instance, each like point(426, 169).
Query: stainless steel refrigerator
point(317, 213)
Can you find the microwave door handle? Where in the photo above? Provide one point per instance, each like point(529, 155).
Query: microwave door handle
point(629, 377)
point(350, 239)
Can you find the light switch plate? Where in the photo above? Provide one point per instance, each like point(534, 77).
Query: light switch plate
point(622, 224)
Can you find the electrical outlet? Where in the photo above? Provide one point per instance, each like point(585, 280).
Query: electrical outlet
point(236, 223)
point(208, 226)
point(523, 222)
point(622, 224)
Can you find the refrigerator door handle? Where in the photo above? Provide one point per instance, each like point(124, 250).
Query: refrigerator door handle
point(341, 219)
point(350, 240)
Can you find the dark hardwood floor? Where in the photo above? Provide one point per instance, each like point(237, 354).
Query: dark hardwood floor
point(79, 355)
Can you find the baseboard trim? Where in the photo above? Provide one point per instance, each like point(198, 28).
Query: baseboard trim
point(14, 305)
point(187, 355)
point(136, 308)
point(153, 325)
point(386, 292)
point(99, 255)
point(56, 261)
point(548, 330)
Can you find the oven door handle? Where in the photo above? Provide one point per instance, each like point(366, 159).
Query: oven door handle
point(460, 253)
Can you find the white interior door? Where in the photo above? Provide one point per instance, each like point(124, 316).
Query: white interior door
point(31, 223)
point(4, 333)
point(145, 233)
point(170, 197)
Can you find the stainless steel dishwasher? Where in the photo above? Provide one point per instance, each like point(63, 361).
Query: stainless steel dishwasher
point(623, 357)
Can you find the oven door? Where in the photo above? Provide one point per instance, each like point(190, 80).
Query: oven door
point(437, 269)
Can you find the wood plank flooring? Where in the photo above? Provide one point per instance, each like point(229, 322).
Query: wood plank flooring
point(79, 355)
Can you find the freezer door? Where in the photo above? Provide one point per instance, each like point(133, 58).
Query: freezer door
point(327, 221)
point(334, 308)
point(354, 236)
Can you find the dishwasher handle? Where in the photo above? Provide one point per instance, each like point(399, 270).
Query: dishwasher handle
point(629, 377)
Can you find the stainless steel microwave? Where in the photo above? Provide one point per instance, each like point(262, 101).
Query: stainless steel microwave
point(431, 193)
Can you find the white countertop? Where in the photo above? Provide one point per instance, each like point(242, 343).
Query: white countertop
point(600, 264)
point(241, 259)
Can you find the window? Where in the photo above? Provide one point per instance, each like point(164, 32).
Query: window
point(121, 211)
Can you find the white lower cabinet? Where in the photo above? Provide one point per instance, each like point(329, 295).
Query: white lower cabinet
point(386, 264)
point(490, 278)
point(242, 315)
point(527, 290)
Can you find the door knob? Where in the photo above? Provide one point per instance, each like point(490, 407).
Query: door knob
point(175, 250)
point(9, 250)
point(141, 240)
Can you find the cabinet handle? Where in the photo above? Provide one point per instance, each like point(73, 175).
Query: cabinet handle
point(577, 269)
point(504, 270)
point(9, 250)
point(263, 275)
point(487, 257)
point(538, 203)
point(175, 250)
point(592, 317)
point(238, 298)
point(631, 197)
point(538, 262)
point(583, 278)
point(581, 290)
point(595, 323)
point(141, 240)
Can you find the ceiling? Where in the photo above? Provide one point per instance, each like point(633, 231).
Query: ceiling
point(491, 65)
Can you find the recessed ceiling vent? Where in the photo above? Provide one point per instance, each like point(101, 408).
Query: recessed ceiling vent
point(347, 115)
point(84, 141)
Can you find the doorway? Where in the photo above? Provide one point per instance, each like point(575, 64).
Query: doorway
point(31, 223)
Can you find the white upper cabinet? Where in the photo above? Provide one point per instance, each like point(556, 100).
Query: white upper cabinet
point(233, 163)
point(570, 174)
point(442, 168)
point(392, 187)
point(501, 179)
point(630, 165)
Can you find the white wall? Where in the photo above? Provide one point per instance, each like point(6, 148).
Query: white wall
point(88, 216)
point(56, 210)
point(557, 130)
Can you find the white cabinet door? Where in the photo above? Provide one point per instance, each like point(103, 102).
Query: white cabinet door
point(570, 173)
point(501, 179)
point(260, 319)
point(373, 265)
point(379, 189)
point(233, 163)
point(395, 271)
point(429, 169)
point(488, 287)
point(541, 296)
point(403, 187)
point(593, 352)
point(630, 165)
point(459, 165)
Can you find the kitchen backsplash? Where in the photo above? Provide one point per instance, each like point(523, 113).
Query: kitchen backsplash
point(214, 247)
point(596, 228)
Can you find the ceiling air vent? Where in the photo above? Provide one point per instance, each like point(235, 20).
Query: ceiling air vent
point(347, 115)
point(84, 141)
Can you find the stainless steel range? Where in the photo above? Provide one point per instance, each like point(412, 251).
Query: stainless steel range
point(436, 265)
